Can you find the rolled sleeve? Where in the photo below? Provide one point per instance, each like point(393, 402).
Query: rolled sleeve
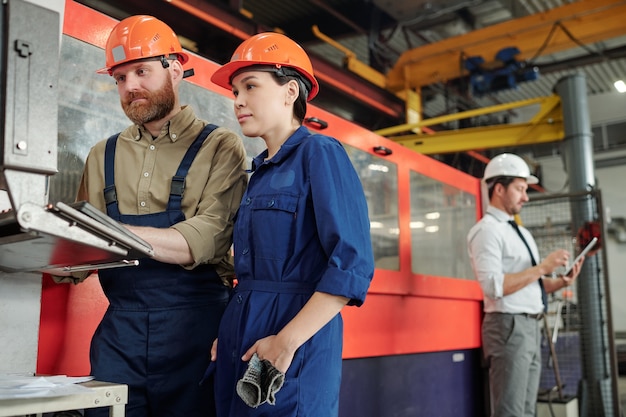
point(485, 250)
point(343, 225)
point(208, 231)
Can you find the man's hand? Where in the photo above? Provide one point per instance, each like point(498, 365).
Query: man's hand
point(555, 259)
point(573, 274)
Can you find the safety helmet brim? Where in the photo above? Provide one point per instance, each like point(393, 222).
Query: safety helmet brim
point(223, 76)
point(182, 57)
point(531, 179)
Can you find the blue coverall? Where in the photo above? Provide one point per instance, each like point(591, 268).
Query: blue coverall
point(302, 226)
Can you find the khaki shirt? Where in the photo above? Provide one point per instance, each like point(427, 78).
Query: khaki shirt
point(145, 166)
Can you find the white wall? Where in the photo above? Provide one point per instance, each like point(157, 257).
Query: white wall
point(611, 182)
point(606, 108)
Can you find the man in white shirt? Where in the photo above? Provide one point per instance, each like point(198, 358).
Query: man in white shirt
point(513, 277)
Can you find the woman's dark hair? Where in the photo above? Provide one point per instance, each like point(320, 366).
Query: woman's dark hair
point(504, 180)
point(283, 76)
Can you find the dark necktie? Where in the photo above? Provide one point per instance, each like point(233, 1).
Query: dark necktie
point(544, 295)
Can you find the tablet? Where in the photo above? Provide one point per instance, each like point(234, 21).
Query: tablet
point(584, 252)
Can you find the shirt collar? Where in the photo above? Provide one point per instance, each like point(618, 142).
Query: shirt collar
point(174, 127)
point(285, 150)
point(499, 214)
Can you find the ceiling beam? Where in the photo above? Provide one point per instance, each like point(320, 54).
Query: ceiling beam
point(546, 126)
point(588, 21)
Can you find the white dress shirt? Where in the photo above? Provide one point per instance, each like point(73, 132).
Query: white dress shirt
point(495, 249)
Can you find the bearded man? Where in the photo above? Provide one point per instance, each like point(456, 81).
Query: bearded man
point(176, 182)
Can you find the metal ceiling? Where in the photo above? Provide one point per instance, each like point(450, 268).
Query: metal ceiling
point(378, 33)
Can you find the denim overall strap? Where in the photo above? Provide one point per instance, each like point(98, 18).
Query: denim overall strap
point(178, 180)
point(110, 195)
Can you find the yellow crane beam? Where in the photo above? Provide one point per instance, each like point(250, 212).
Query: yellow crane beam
point(545, 126)
point(351, 61)
point(588, 21)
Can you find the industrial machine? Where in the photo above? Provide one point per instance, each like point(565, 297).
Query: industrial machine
point(37, 233)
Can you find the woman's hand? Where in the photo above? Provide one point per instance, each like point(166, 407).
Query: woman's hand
point(273, 349)
point(280, 349)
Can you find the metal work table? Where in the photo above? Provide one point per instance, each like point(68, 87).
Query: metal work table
point(103, 394)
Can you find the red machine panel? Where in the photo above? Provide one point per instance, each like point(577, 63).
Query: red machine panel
point(410, 308)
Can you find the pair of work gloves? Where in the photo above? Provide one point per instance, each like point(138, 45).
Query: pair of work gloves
point(260, 383)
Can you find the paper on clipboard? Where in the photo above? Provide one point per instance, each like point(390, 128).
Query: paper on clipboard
point(584, 252)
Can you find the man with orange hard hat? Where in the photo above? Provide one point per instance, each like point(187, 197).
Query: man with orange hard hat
point(175, 181)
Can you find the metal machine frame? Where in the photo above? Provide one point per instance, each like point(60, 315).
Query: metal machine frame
point(35, 235)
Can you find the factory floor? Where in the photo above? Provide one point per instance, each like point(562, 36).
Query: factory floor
point(621, 390)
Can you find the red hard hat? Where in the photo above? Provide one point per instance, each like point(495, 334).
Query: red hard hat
point(139, 37)
point(272, 49)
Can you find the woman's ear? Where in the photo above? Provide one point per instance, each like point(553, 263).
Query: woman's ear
point(293, 91)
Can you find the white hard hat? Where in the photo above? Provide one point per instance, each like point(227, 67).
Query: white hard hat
point(509, 165)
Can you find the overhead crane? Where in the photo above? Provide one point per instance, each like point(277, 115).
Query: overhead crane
point(558, 29)
point(588, 21)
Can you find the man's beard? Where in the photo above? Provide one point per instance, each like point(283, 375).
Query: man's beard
point(159, 104)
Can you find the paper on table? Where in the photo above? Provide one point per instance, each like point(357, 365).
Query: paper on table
point(20, 386)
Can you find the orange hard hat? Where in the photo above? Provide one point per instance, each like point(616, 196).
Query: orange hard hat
point(139, 37)
point(268, 48)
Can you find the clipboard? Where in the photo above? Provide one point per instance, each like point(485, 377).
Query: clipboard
point(101, 223)
point(86, 208)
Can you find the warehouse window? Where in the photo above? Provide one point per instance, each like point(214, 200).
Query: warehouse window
point(380, 184)
point(441, 216)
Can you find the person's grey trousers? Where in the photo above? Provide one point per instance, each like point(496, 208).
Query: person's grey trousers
point(512, 349)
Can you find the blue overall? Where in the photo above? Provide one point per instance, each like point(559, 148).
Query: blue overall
point(302, 227)
point(157, 332)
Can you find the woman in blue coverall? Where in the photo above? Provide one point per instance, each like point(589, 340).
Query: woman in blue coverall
point(301, 240)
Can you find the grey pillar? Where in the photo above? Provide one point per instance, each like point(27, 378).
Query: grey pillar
point(597, 396)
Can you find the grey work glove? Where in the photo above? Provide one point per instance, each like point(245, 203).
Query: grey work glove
point(260, 383)
point(272, 382)
point(249, 386)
